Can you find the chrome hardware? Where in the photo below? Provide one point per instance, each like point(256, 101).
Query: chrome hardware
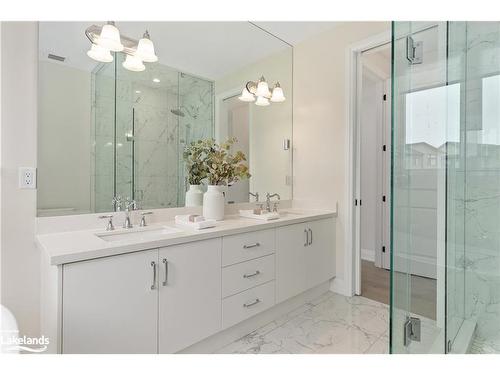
point(306, 243)
point(129, 204)
point(143, 218)
point(252, 303)
point(165, 262)
point(251, 246)
point(268, 200)
point(117, 202)
point(411, 330)
point(414, 51)
point(275, 206)
point(310, 237)
point(286, 144)
point(256, 195)
point(110, 225)
point(153, 286)
point(250, 275)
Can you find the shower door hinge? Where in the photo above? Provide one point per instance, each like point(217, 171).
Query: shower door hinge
point(414, 51)
point(411, 330)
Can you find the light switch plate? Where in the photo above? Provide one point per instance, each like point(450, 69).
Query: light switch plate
point(27, 178)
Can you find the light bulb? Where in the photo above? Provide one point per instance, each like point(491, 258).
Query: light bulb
point(146, 49)
point(110, 38)
point(263, 88)
point(246, 96)
point(261, 101)
point(133, 63)
point(277, 96)
point(99, 53)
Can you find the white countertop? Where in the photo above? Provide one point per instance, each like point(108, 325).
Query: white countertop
point(68, 247)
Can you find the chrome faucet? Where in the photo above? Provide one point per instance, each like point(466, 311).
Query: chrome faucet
point(268, 202)
point(129, 204)
point(256, 195)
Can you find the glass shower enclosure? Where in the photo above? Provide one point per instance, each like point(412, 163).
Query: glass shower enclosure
point(445, 219)
point(141, 123)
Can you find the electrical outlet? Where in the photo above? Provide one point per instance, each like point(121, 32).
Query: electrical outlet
point(27, 178)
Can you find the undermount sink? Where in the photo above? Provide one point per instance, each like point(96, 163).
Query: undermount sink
point(140, 234)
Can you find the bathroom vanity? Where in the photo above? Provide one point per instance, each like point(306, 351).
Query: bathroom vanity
point(162, 289)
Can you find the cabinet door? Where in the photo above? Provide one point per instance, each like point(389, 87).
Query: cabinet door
point(109, 305)
point(190, 294)
point(320, 254)
point(290, 261)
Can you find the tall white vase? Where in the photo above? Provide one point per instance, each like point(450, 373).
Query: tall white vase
point(213, 202)
point(194, 196)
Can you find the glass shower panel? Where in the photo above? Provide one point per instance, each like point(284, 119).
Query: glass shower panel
point(102, 135)
point(420, 105)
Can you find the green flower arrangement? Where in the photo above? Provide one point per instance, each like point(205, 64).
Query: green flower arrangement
point(215, 162)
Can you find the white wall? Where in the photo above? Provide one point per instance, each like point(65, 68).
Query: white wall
point(319, 122)
point(20, 276)
point(64, 129)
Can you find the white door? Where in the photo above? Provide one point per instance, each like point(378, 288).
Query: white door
point(291, 240)
point(320, 252)
point(190, 293)
point(110, 305)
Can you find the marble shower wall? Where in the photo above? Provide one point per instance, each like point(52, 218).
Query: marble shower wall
point(146, 162)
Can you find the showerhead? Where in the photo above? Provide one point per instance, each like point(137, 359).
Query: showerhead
point(177, 112)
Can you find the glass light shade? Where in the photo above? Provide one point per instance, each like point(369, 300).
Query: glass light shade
point(277, 95)
point(263, 89)
point(261, 101)
point(110, 38)
point(99, 53)
point(146, 50)
point(133, 63)
point(246, 96)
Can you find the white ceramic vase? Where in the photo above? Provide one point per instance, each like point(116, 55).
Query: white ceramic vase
point(213, 202)
point(194, 196)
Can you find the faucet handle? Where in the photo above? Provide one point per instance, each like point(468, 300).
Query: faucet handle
point(143, 218)
point(117, 202)
point(110, 225)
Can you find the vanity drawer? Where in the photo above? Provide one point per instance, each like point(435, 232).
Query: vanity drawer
point(246, 275)
point(246, 246)
point(243, 305)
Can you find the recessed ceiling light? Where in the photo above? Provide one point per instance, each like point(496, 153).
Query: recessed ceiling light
point(156, 80)
point(137, 91)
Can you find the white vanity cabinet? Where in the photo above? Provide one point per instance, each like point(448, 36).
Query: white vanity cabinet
point(305, 257)
point(190, 293)
point(110, 304)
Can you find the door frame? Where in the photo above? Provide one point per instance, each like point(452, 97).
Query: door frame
point(352, 262)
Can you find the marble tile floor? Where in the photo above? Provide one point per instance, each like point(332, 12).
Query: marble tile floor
point(487, 336)
point(331, 324)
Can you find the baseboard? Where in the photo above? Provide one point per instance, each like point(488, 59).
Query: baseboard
point(338, 286)
point(368, 254)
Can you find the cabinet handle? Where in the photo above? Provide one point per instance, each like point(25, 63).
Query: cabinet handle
point(311, 237)
point(247, 275)
point(252, 245)
point(153, 286)
point(165, 262)
point(252, 303)
point(307, 237)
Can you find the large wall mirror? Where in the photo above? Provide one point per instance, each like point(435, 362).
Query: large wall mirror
point(119, 126)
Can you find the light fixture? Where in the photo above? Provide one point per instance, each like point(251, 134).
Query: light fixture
point(146, 49)
point(246, 96)
point(107, 38)
point(133, 63)
point(262, 101)
point(277, 96)
point(99, 53)
point(156, 80)
point(260, 90)
point(110, 38)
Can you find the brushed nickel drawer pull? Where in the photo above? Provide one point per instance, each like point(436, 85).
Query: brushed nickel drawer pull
point(249, 275)
point(165, 262)
point(252, 303)
point(153, 286)
point(251, 246)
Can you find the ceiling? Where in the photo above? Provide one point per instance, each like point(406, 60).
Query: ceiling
point(206, 49)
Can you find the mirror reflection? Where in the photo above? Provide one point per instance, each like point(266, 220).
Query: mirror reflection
point(114, 123)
